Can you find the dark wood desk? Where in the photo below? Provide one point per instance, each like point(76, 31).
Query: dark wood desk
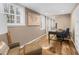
point(54, 33)
point(51, 32)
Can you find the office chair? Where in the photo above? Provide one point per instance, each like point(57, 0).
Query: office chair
point(63, 34)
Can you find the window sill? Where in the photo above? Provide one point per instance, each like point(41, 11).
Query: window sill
point(13, 25)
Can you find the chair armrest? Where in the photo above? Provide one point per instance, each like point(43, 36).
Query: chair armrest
point(13, 45)
point(14, 51)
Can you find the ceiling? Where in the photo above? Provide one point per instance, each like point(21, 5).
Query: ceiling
point(51, 9)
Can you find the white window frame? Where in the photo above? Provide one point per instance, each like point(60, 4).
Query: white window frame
point(42, 23)
point(50, 24)
point(21, 15)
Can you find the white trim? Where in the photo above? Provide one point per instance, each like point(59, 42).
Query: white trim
point(12, 24)
point(33, 40)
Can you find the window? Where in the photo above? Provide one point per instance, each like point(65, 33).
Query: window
point(42, 24)
point(15, 14)
point(50, 24)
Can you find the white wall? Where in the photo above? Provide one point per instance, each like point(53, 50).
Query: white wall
point(75, 26)
point(63, 21)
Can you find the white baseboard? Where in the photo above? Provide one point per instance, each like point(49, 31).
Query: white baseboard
point(74, 45)
point(33, 40)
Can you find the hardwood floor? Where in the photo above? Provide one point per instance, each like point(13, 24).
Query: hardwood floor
point(58, 47)
point(65, 47)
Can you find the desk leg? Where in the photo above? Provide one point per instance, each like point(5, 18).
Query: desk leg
point(49, 37)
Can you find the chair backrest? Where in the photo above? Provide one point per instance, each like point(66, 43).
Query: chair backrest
point(66, 32)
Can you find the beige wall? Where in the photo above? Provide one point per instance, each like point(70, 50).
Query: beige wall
point(63, 21)
point(4, 38)
point(24, 34)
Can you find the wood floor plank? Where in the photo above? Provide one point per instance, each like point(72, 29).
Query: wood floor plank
point(73, 49)
point(56, 47)
point(65, 48)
